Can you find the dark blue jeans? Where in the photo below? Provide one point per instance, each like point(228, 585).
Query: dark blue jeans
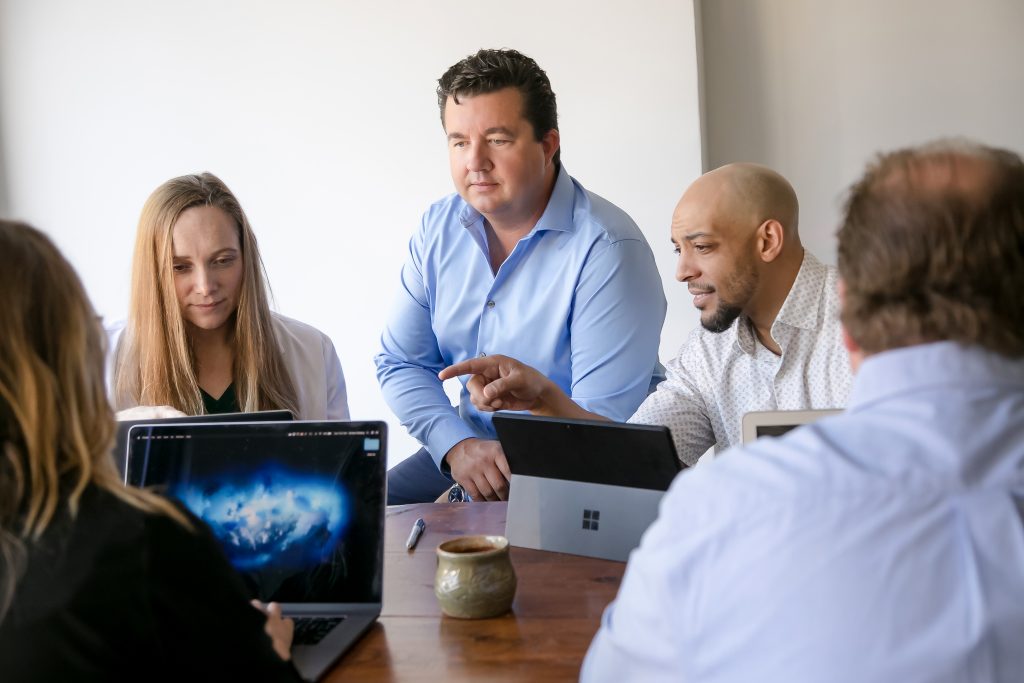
point(416, 480)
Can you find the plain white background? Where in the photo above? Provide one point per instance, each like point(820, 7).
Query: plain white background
point(321, 117)
point(815, 89)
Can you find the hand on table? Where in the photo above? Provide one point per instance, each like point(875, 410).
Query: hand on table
point(479, 465)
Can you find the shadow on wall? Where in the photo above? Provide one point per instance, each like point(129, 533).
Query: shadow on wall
point(735, 61)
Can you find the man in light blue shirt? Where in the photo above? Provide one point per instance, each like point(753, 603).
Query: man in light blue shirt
point(886, 543)
point(521, 261)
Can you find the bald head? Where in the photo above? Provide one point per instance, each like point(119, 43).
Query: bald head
point(735, 231)
point(738, 198)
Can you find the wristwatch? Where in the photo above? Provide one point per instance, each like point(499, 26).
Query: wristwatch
point(457, 494)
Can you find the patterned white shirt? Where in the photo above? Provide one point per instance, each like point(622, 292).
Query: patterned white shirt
point(717, 378)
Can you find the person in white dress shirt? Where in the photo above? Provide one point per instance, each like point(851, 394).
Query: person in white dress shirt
point(885, 543)
point(200, 336)
point(769, 338)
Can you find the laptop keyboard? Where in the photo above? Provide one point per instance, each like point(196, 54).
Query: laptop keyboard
point(311, 630)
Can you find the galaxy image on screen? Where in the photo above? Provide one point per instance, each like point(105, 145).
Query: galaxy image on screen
point(283, 518)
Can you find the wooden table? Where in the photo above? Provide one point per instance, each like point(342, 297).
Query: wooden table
point(556, 612)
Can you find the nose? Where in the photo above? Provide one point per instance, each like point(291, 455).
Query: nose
point(685, 269)
point(477, 160)
point(205, 282)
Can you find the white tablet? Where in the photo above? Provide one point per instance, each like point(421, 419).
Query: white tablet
point(778, 422)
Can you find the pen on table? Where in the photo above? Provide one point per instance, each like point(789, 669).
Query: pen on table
point(417, 528)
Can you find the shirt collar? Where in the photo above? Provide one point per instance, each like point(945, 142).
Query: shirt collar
point(800, 308)
point(557, 215)
point(939, 364)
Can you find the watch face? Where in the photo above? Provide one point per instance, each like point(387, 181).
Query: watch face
point(457, 494)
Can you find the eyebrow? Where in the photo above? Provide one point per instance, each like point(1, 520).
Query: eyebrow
point(490, 131)
point(696, 236)
point(219, 252)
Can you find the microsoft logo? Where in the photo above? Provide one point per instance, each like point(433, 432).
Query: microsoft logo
point(590, 519)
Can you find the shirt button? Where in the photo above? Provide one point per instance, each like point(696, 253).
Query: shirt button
point(482, 354)
point(490, 304)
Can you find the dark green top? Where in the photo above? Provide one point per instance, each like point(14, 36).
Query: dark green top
point(227, 403)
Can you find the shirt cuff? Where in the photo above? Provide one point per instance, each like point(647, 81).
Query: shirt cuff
point(444, 436)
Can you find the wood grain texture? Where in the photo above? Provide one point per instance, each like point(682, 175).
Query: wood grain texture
point(554, 616)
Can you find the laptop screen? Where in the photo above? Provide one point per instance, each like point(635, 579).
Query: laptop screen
point(772, 430)
point(120, 451)
point(778, 422)
point(297, 507)
point(597, 452)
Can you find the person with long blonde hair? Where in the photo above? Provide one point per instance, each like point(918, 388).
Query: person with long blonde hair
point(98, 581)
point(200, 336)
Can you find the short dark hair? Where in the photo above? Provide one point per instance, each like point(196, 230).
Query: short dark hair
point(932, 249)
point(491, 70)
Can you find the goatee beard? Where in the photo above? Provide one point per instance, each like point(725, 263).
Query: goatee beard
point(725, 315)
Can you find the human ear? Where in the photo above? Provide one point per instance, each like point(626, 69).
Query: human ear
point(771, 236)
point(549, 143)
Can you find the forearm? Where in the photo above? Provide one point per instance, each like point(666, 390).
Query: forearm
point(553, 402)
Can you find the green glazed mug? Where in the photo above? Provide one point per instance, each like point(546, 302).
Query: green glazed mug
point(475, 578)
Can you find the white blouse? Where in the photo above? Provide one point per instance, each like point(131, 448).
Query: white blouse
point(309, 356)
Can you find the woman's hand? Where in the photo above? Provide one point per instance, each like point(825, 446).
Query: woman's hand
point(278, 628)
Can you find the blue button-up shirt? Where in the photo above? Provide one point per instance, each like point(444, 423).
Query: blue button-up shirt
point(579, 298)
point(883, 544)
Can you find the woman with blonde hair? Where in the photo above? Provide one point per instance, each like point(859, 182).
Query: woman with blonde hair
point(200, 336)
point(98, 581)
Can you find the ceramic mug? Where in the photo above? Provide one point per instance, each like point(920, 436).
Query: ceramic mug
point(474, 578)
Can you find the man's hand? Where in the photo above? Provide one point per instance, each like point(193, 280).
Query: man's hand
point(479, 465)
point(503, 383)
point(278, 628)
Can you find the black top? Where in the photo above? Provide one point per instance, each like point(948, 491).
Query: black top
point(227, 403)
point(122, 595)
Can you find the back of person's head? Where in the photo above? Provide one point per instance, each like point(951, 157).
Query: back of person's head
point(932, 249)
point(488, 71)
point(155, 365)
point(56, 425)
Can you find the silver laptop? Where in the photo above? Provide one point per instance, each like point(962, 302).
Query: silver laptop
point(298, 508)
point(583, 487)
point(778, 422)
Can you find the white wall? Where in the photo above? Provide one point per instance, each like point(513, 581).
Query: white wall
point(321, 116)
point(814, 89)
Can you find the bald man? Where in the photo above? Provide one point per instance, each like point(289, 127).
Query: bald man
point(769, 339)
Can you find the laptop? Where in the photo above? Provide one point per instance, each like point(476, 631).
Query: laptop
point(778, 422)
point(120, 451)
point(583, 487)
point(298, 508)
